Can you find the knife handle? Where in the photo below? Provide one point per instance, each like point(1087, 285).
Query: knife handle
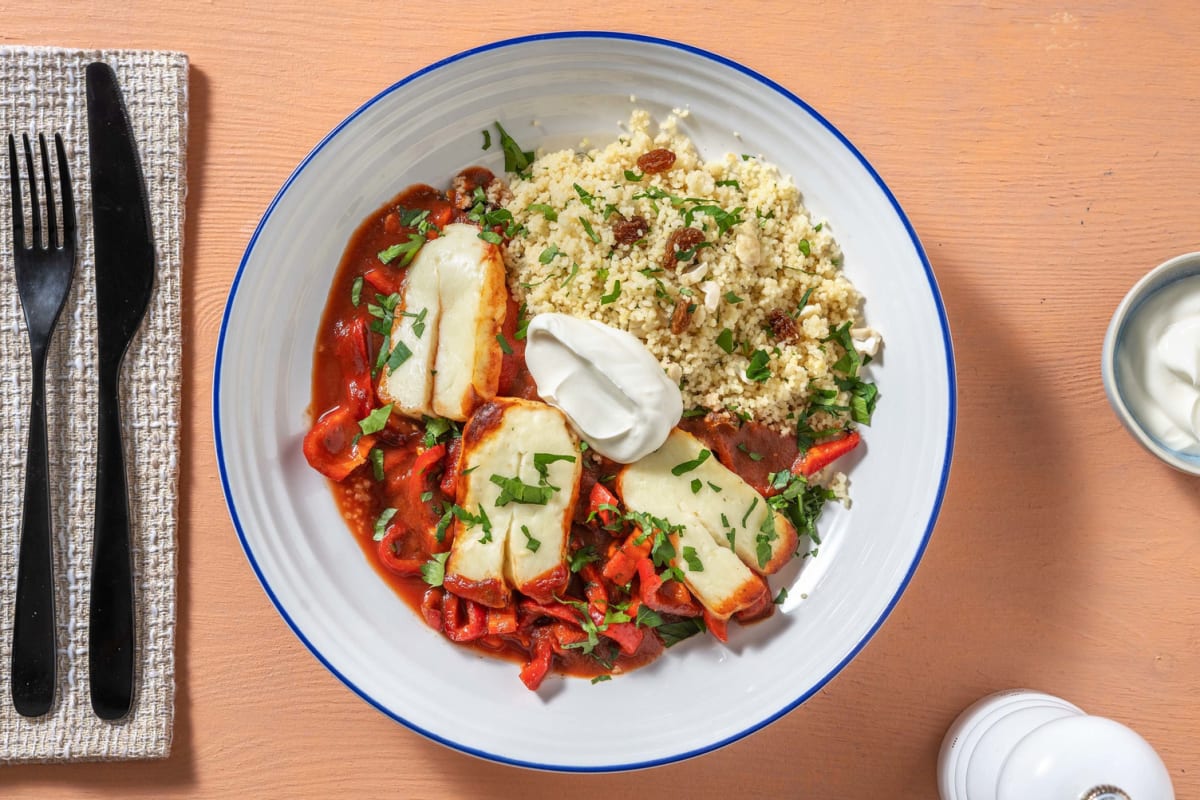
point(33, 649)
point(110, 631)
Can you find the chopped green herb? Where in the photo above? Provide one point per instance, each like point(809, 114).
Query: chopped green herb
point(693, 559)
point(426, 497)
point(690, 253)
point(582, 557)
point(375, 421)
point(697, 485)
point(688, 466)
point(571, 277)
point(725, 340)
point(601, 678)
point(675, 632)
point(514, 490)
point(522, 324)
point(605, 299)
point(746, 516)
point(435, 429)
point(491, 236)
point(819, 226)
point(381, 522)
point(505, 347)
point(531, 543)
point(587, 227)
point(377, 463)
point(400, 353)
point(779, 598)
point(732, 298)
point(515, 159)
point(356, 291)
point(805, 247)
point(548, 254)
point(584, 195)
point(647, 617)
point(630, 175)
point(757, 369)
point(487, 138)
point(698, 411)
point(714, 487)
point(542, 462)
point(433, 571)
point(546, 211)
point(732, 183)
point(408, 250)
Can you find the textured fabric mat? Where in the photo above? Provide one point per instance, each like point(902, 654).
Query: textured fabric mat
point(42, 91)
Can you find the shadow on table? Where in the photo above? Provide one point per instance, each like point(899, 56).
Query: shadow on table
point(177, 771)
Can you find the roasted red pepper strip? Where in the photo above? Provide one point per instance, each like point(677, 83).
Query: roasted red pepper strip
point(384, 280)
point(535, 670)
point(427, 460)
point(405, 567)
point(601, 496)
point(627, 636)
point(458, 630)
point(352, 353)
point(441, 214)
point(431, 607)
point(716, 626)
point(823, 454)
point(502, 620)
point(330, 446)
point(668, 597)
point(622, 564)
point(450, 471)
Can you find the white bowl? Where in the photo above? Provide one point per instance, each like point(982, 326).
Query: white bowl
point(1170, 271)
point(701, 694)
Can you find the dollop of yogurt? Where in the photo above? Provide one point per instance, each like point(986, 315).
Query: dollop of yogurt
point(612, 390)
point(1158, 363)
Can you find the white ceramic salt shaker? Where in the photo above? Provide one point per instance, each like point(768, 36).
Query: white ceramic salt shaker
point(1026, 745)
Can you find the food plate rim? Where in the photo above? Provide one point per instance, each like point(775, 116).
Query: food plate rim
point(936, 297)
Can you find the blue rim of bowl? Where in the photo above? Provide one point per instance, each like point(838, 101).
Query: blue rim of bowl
point(952, 407)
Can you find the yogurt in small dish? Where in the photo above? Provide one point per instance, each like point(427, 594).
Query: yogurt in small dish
point(1151, 362)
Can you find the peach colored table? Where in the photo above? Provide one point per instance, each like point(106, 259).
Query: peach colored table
point(1047, 156)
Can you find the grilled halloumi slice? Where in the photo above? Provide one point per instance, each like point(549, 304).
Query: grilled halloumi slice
point(410, 385)
point(521, 469)
point(726, 522)
point(713, 573)
point(458, 281)
point(724, 502)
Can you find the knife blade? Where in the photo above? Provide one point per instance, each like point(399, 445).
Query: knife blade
point(125, 264)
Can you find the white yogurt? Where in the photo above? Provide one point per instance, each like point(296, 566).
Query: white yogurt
point(612, 390)
point(1158, 365)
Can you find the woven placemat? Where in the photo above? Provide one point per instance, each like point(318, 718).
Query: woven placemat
point(42, 90)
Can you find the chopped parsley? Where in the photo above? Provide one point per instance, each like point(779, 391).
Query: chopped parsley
point(546, 211)
point(732, 183)
point(757, 369)
point(515, 159)
point(805, 247)
point(433, 571)
point(582, 557)
point(531, 543)
point(688, 466)
point(381, 523)
point(491, 236)
point(630, 175)
point(356, 291)
point(487, 138)
point(514, 490)
point(505, 347)
point(375, 421)
point(587, 228)
point(377, 463)
point(697, 485)
point(585, 196)
point(647, 617)
point(605, 299)
point(548, 254)
point(693, 559)
point(779, 598)
point(725, 340)
point(732, 298)
point(406, 251)
point(675, 632)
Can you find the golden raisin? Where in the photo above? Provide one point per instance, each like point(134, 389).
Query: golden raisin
point(682, 239)
point(656, 161)
point(681, 317)
point(628, 231)
point(782, 325)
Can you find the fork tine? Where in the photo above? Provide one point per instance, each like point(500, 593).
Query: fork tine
point(14, 177)
point(68, 196)
point(51, 215)
point(35, 209)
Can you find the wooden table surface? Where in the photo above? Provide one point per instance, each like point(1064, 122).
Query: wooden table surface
point(1046, 155)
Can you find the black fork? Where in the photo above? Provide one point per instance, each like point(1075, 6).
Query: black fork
point(43, 271)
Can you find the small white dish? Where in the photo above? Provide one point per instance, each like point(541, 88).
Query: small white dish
point(552, 91)
point(1169, 272)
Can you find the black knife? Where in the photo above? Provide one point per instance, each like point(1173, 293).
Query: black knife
point(124, 280)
